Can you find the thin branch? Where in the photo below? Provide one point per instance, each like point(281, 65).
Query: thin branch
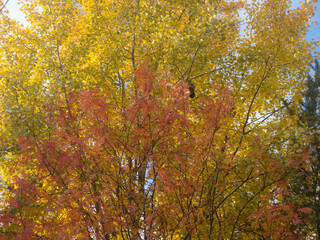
point(4, 5)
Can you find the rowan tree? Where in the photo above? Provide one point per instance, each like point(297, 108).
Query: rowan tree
point(155, 169)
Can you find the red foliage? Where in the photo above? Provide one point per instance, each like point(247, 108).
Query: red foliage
point(156, 167)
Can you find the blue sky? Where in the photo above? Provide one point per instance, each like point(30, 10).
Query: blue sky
point(314, 31)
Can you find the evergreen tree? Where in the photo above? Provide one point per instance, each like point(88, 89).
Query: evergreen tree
point(306, 184)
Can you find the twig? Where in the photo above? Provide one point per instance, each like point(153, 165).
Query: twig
point(4, 5)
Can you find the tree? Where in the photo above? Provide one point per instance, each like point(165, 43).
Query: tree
point(305, 184)
point(74, 47)
point(155, 169)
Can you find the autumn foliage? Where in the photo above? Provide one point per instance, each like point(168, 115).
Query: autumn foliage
point(153, 119)
point(155, 168)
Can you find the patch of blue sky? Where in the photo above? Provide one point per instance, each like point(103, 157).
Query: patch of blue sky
point(15, 12)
